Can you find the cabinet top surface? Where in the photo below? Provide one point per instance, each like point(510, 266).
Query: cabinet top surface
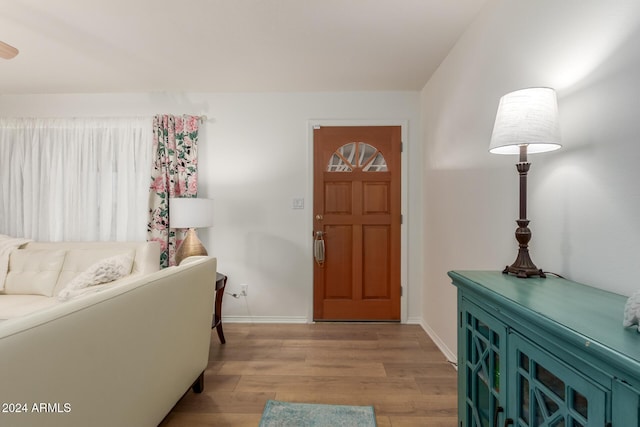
point(562, 305)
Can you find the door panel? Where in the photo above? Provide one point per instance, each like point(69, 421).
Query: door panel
point(337, 198)
point(376, 198)
point(338, 262)
point(375, 262)
point(357, 208)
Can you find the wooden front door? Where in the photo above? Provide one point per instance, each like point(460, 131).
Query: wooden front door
point(357, 219)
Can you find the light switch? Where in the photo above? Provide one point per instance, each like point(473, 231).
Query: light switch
point(298, 203)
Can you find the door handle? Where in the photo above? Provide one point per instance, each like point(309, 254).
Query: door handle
point(318, 248)
point(498, 410)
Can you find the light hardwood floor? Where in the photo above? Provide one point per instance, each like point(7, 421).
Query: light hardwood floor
point(396, 368)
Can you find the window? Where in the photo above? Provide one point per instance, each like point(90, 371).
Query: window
point(357, 155)
point(75, 179)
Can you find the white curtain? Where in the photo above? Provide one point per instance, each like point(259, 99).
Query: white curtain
point(75, 179)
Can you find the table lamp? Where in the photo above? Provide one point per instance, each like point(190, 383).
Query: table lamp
point(526, 122)
point(191, 213)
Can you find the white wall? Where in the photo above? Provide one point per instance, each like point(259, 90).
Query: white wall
point(584, 200)
point(254, 159)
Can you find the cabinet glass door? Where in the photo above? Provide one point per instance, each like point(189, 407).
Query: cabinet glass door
point(548, 393)
point(483, 350)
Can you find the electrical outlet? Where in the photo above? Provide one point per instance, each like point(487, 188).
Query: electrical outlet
point(244, 288)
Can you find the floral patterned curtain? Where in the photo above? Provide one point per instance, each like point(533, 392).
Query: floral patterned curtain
point(174, 173)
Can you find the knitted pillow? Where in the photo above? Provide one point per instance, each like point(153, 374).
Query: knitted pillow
point(103, 271)
point(632, 311)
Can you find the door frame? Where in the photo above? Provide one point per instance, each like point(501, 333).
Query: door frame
point(404, 204)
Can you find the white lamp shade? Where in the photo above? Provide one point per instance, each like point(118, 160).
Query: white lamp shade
point(526, 117)
point(190, 212)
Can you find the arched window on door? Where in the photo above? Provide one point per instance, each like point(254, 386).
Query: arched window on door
point(357, 155)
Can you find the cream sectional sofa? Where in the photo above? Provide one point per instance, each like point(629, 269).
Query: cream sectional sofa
point(119, 354)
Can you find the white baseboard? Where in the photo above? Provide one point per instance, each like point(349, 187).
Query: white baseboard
point(450, 355)
point(264, 319)
point(414, 321)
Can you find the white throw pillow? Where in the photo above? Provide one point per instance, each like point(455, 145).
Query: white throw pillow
point(632, 311)
point(103, 271)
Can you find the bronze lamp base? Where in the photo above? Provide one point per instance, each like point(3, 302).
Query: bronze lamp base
point(190, 246)
point(523, 267)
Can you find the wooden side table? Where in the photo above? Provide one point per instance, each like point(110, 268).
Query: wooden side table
point(221, 282)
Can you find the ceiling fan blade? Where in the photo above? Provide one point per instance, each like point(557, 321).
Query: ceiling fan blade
point(7, 51)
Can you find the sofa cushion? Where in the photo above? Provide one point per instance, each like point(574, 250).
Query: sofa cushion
point(18, 305)
point(34, 271)
point(79, 260)
point(104, 271)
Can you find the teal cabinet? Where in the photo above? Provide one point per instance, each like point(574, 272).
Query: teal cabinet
point(482, 388)
point(544, 352)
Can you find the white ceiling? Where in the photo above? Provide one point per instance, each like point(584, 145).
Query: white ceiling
point(91, 46)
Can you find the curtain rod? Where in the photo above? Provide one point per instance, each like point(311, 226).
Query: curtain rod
point(201, 118)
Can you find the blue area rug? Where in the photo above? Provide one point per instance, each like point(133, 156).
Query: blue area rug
point(284, 414)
